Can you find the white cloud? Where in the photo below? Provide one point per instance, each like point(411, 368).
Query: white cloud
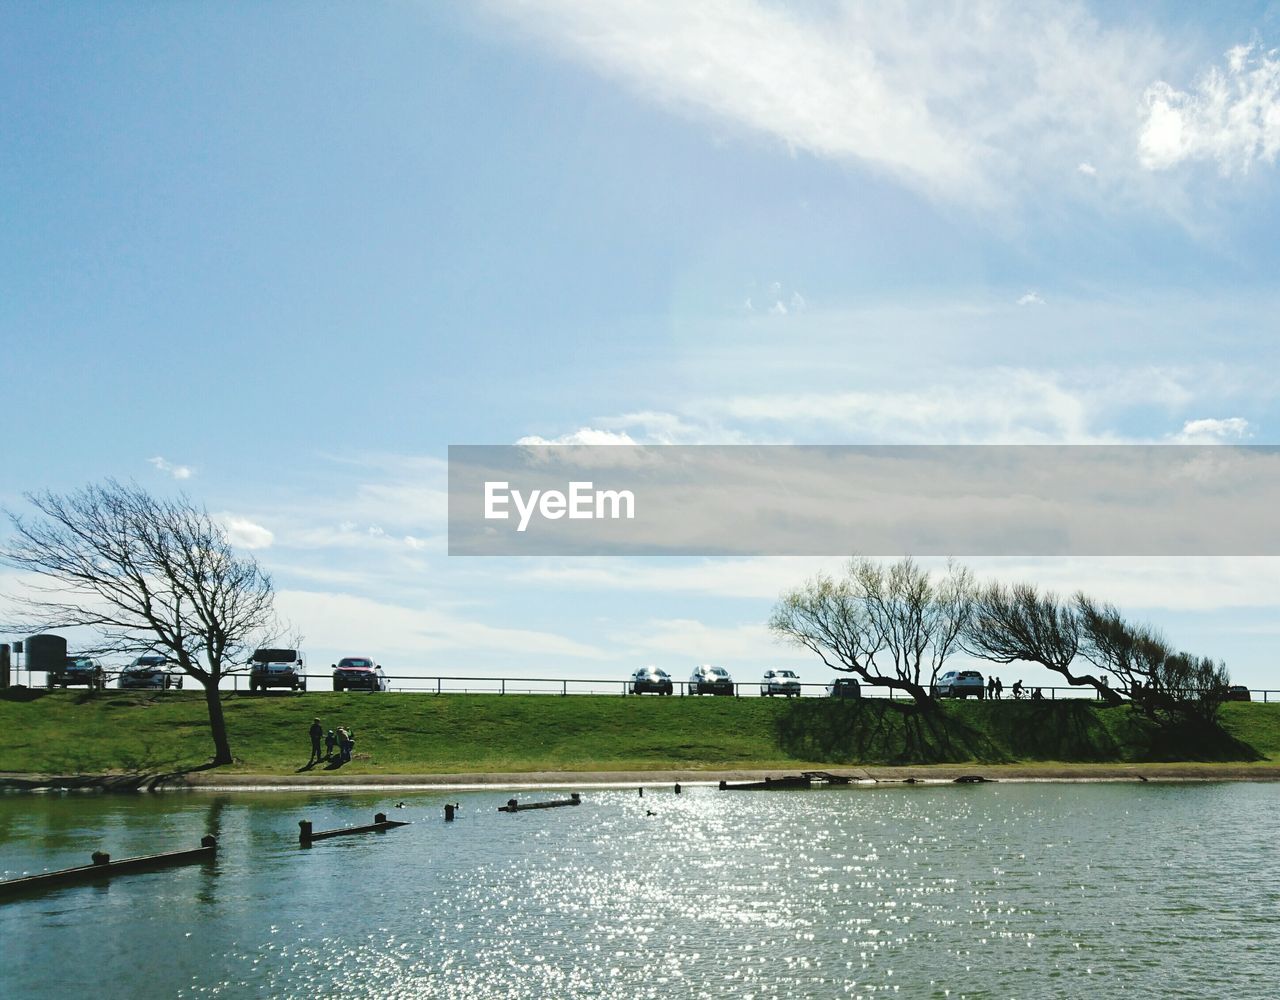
point(248, 535)
point(344, 621)
point(583, 435)
point(692, 641)
point(169, 468)
point(1214, 431)
point(961, 100)
point(1231, 116)
point(1086, 168)
point(1030, 298)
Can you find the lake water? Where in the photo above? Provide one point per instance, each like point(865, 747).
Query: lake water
point(998, 890)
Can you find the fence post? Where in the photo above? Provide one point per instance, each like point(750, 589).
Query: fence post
point(564, 688)
point(504, 686)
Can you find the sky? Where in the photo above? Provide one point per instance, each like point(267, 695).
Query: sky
point(281, 256)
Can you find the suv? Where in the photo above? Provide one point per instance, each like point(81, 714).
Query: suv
point(844, 687)
point(150, 670)
point(277, 668)
point(1238, 692)
point(707, 679)
point(784, 682)
point(959, 684)
point(651, 679)
point(78, 670)
point(358, 673)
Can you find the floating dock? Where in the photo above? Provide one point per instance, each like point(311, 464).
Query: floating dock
point(104, 868)
point(380, 824)
point(513, 806)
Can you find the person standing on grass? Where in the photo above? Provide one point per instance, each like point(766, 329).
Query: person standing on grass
point(330, 741)
point(344, 745)
point(999, 689)
point(317, 734)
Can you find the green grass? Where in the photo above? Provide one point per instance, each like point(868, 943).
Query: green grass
point(73, 732)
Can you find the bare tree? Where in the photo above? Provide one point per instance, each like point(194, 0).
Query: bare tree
point(1019, 622)
point(892, 626)
point(143, 573)
point(1155, 677)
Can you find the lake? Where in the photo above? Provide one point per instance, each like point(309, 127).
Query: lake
point(997, 890)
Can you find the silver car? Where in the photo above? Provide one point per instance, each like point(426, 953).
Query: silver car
point(707, 679)
point(960, 684)
point(783, 682)
point(651, 679)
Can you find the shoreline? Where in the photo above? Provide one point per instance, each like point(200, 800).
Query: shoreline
point(865, 776)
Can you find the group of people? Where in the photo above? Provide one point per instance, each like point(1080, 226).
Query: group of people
point(995, 689)
point(343, 739)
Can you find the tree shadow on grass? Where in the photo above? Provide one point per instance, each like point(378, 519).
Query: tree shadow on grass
point(888, 732)
point(880, 731)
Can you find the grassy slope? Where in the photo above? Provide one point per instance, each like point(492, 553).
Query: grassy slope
point(75, 732)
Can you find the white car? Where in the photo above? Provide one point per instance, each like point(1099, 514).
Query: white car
point(960, 684)
point(151, 671)
point(707, 679)
point(783, 682)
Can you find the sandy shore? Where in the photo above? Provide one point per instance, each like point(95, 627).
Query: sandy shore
point(213, 779)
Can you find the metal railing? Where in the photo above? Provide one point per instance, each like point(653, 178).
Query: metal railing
point(439, 684)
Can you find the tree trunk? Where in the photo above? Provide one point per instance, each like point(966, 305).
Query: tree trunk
point(217, 724)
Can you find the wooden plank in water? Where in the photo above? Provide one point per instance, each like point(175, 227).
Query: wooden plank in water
point(828, 777)
point(769, 784)
point(104, 868)
point(380, 823)
point(513, 806)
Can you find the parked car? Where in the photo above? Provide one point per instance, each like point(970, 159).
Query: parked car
point(78, 670)
point(358, 673)
point(707, 679)
point(651, 679)
point(1238, 692)
point(844, 687)
point(277, 668)
point(784, 682)
point(151, 670)
point(960, 684)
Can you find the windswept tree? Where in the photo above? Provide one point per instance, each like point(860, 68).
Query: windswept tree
point(894, 626)
point(1019, 622)
point(1155, 677)
point(143, 573)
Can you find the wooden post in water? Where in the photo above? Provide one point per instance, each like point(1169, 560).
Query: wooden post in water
point(304, 832)
point(448, 812)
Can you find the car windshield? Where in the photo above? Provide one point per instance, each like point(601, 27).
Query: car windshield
point(786, 673)
point(275, 656)
point(352, 661)
point(80, 662)
point(720, 671)
point(970, 675)
point(146, 662)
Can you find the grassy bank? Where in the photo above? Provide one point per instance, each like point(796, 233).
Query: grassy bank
point(71, 732)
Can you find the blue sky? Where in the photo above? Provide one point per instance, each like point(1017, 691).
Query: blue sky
point(282, 256)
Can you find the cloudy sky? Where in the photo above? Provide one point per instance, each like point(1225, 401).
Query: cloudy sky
point(281, 256)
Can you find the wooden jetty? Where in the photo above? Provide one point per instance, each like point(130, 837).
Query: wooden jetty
point(380, 824)
point(788, 781)
point(104, 868)
point(514, 806)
